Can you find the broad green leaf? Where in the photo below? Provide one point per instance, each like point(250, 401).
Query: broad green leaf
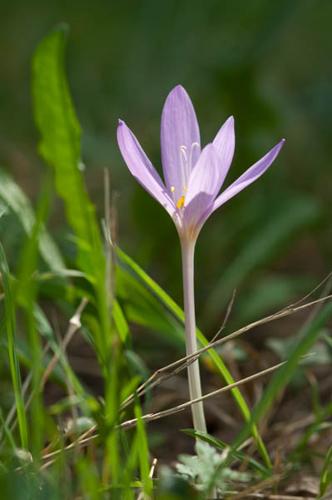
point(60, 146)
point(120, 321)
point(60, 143)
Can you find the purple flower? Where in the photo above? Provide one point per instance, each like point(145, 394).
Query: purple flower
point(193, 176)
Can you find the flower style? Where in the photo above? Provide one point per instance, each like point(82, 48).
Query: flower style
point(193, 176)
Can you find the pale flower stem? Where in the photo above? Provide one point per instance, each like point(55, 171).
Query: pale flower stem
point(194, 380)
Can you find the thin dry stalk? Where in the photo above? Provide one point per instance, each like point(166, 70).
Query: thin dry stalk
point(326, 290)
point(253, 490)
point(108, 236)
point(73, 327)
point(165, 413)
point(226, 318)
point(318, 304)
point(175, 409)
point(141, 496)
point(173, 368)
point(25, 387)
point(163, 373)
point(263, 496)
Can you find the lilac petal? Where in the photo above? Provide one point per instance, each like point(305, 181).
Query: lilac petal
point(204, 185)
point(141, 167)
point(180, 140)
point(205, 177)
point(249, 176)
point(224, 143)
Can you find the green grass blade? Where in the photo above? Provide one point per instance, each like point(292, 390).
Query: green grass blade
point(88, 476)
point(143, 453)
point(7, 432)
point(26, 293)
point(326, 474)
point(10, 327)
point(120, 321)
point(130, 468)
point(306, 340)
point(238, 397)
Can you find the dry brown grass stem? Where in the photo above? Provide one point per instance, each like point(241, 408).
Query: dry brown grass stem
point(174, 368)
point(85, 438)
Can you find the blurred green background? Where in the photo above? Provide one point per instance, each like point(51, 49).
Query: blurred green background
point(266, 62)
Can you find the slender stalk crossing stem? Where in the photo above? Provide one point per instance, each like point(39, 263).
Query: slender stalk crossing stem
point(194, 380)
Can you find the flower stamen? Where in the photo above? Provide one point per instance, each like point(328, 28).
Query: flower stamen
point(180, 202)
point(184, 162)
point(192, 149)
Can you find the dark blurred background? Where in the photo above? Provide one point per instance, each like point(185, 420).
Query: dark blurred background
point(267, 63)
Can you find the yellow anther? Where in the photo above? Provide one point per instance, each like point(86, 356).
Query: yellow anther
point(180, 202)
point(172, 189)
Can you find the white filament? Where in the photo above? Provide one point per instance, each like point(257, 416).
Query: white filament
point(186, 165)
